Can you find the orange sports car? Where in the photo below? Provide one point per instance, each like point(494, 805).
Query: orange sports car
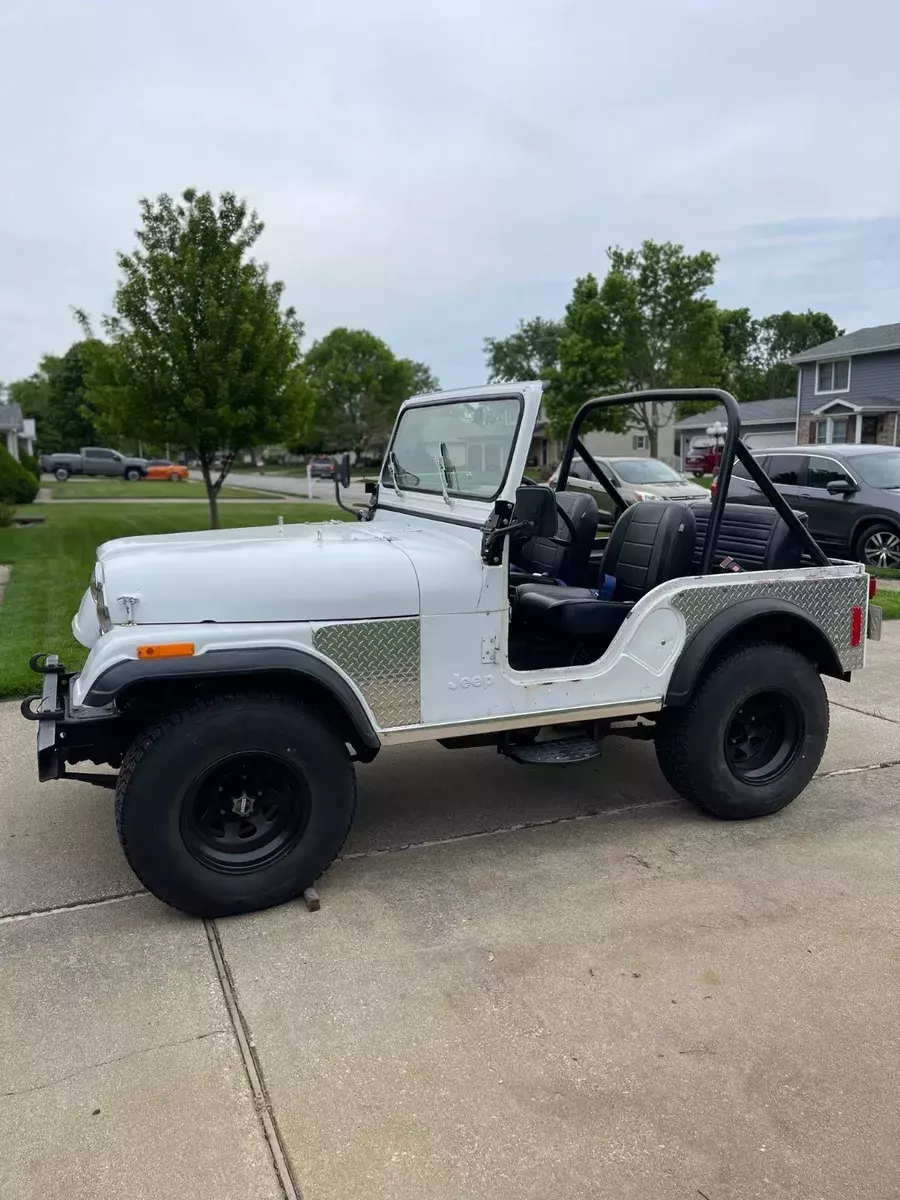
point(161, 468)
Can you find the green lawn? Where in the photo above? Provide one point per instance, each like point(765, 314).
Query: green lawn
point(52, 563)
point(145, 489)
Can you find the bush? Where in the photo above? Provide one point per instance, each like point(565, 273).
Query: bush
point(7, 512)
point(17, 485)
point(31, 464)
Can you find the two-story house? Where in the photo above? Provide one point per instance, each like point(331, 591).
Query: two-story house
point(849, 388)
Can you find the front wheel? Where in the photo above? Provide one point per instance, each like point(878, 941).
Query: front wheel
point(132, 475)
point(752, 735)
point(234, 803)
point(879, 546)
point(174, 477)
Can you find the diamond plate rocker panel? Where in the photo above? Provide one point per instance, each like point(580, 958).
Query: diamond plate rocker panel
point(382, 659)
point(827, 601)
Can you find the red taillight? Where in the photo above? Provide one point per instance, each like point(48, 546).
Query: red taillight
point(873, 585)
point(856, 625)
point(712, 488)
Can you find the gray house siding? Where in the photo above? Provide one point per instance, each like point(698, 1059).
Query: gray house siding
point(872, 376)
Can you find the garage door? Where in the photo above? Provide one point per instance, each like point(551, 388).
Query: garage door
point(762, 441)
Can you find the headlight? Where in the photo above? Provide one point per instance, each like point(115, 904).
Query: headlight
point(99, 597)
point(645, 495)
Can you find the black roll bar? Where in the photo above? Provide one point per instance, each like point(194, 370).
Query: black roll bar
point(733, 446)
point(781, 506)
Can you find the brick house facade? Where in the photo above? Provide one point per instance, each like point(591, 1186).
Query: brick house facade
point(848, 389)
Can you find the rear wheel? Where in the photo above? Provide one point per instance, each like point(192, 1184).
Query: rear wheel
point(879, 546)
point(62, 474)
point(235, 803)
point(752, 735)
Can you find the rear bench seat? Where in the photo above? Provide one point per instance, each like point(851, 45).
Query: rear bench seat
point(754, 535)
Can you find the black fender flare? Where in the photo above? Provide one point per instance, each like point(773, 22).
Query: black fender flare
point(282, 664)
point(725, 628)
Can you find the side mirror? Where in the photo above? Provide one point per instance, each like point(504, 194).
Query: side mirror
point(343, 471)
point(840, 487)
point(536, 509)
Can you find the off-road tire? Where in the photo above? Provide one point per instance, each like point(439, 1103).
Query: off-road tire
point(888, 534)
point(691, 742)
point(132, 475)
point(162, 769)
point(62, 473)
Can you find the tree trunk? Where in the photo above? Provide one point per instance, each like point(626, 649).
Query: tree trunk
point(653, 429)
point(212, 494)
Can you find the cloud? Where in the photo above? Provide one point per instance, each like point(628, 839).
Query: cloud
point(434, 172)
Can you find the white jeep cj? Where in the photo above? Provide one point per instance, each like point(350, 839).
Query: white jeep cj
point(235, 677)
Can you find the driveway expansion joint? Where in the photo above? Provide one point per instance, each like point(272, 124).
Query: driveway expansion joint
point(252, 1069)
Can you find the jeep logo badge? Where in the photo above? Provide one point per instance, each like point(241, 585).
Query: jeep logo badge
point(467, 681)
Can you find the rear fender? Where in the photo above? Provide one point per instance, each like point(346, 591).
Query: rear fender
point(761, 619)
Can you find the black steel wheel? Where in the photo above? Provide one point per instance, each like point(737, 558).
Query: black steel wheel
point(879, 546)
point(244, 812)
point(235, 802)
point(752, 734)
point(763, 737)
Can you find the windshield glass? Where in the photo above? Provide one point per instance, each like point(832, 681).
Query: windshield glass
point(473, 439)
point(644, 470)
point(878, 470)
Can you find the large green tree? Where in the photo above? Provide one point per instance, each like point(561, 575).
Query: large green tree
point(649, 324)
point(531, 352)
point(67, 423)
point(785, 334)
point(756, 350)
point(357, 384)
point(204, 355)
point(32, 394)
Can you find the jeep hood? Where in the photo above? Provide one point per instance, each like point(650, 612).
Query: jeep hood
point(332, 571)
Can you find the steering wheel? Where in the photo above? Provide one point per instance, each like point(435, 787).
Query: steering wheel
point(561, 513)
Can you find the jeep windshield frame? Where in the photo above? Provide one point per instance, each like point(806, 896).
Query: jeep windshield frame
point(733, 449)
point(403, 478)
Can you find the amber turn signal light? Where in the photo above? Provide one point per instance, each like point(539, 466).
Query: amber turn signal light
point(166, 650)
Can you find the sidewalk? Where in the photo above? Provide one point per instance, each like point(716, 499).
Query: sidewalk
point(521, 983)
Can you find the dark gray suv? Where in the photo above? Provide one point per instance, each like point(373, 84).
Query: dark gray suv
point(850, 493)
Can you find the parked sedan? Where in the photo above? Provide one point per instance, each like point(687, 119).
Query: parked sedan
point(163, 468)
point(850, 492)
point(635, 479)
point(322, 467)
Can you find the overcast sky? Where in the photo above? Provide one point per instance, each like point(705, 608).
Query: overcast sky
point(434, 171)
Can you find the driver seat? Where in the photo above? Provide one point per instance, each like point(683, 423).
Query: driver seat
point(567, 555)
point(652, 542)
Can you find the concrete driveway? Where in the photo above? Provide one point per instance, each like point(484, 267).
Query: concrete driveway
point(522, 983)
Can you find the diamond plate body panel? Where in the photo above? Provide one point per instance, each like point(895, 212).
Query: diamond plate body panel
point(826, 601)
point(382, 659)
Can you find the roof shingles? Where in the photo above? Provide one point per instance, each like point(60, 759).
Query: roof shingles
point(861, 341)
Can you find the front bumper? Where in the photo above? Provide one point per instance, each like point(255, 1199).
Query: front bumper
point(67, 735)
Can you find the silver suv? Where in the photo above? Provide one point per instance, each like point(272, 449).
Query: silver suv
point(635, 478)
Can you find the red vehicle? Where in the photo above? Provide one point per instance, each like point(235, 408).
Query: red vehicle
point(703, 457)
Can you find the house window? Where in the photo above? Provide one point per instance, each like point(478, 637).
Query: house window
point(833, 376)
point(832, 430)
point(639, 441)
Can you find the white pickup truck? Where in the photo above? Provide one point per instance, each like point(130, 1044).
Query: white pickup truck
point(236, 677)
